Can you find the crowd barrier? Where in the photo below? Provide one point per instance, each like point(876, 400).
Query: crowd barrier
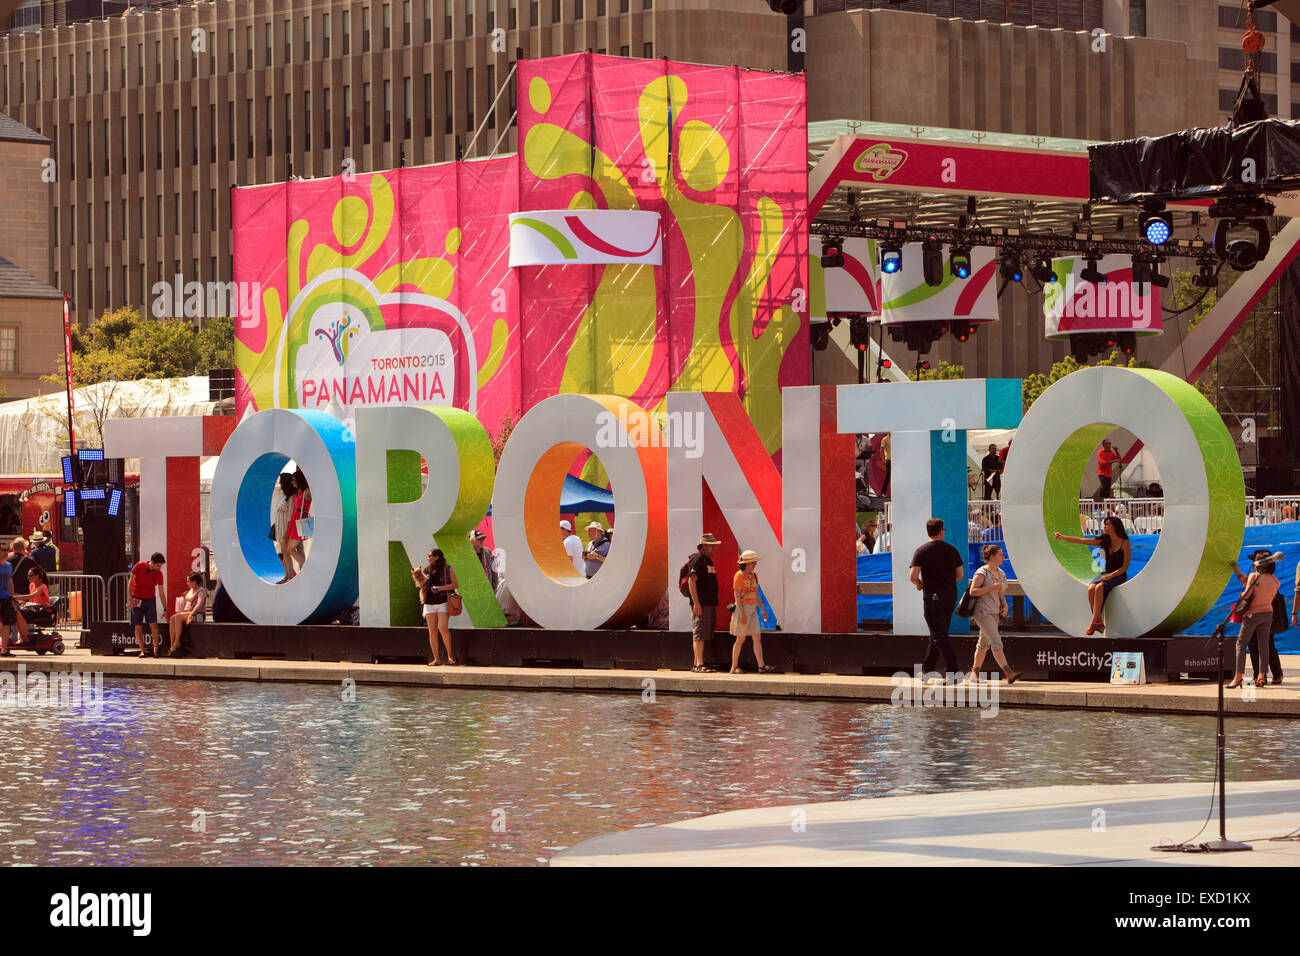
point(85, 599)
point(1140, 515)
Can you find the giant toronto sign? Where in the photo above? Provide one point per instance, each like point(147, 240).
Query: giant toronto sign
point(373, 520)
point(632, 290)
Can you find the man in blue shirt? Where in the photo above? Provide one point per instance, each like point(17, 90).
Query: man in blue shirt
point(8, 611)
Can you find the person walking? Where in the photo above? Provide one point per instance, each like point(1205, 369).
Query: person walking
point(573, 547)
point(989, 588)
point(282, 517)
point(936, 568)
point(437, 581)
point(1106, 459)
point(146, 580)
point(1114, 542)
point(1259, 589)
point(597, 549)
point(744, 620)
point(702, 582)
point(194, 606)
point(991, 467)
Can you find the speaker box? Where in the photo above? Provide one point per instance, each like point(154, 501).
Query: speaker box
point(103, 545)
point(1275, 481)
point(1272, 452)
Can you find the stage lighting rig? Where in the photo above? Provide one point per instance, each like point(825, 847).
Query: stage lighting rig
point(1087, 344)
point(932, 262)
point(891, 257)
point(1127, 342)
point(1156, 225)
point(918, 336)
point(959, 260)
point(1207, 271)
point(1009, 265)
point(832, 254)
point(1042, 270)
point(820, 334)
point(961, 330)
point(1091, 273)
point(860, 333)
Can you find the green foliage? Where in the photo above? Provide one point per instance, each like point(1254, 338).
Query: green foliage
point(1181, 295)
point(944, 370)
point(1037, 383)
point(120, 346)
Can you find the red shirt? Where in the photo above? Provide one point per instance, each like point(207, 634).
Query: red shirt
point(1104, 460)
point(144, 579)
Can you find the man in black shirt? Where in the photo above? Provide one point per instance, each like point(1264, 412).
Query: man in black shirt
point(703, 585)
point(936, 568)
point(991, 465)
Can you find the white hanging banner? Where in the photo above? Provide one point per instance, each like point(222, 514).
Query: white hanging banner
point(552, 237)
point(1072, 305)
point(905, 296)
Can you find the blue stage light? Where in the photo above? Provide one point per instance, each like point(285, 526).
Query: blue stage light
point(71, 506)
point(67, 470)
point(91, 454)
point(114, 502)
point(92, 494)
point(891, 257)
point(1157, 231)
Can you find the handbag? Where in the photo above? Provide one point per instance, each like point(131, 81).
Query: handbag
point(306, 527)
point(966, 606)
point(455, 604)
point(271, 534)
point(1238, 615)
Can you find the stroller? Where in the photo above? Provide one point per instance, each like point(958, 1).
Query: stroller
point(41, 636)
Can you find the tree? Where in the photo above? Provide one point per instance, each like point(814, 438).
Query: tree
point(120, 346)
point(1183, 294)
point(1036, 383)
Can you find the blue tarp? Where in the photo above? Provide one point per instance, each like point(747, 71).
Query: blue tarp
point(1283, 536)
point(578, 496)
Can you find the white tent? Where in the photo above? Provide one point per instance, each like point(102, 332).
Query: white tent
point(34, 431)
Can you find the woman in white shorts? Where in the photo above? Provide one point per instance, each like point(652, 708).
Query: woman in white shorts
point(989, 588)
point(435, 582)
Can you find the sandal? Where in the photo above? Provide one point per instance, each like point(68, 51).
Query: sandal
point(767, 669)
point(1091, 627)
point(702, 669)
point(453, 662)
point(436, 662)
point(1261, 680)
point(1235, 684)
point(737, 670)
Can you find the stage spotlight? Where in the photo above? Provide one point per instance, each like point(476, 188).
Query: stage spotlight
point(832, 255)
point(1010, 267)
point(962, 331)
point(860, 333)
point(891, 257)
point(1156, 227)
point(1157, 279)
point(1091, 272)
point(932, 262)
point(785, 6)
point(1241, 254)
point(1042, 270)
point(820, 333)
point(1141, 273)
point(959, 261)
point(1207, 276)
point(1127, 342)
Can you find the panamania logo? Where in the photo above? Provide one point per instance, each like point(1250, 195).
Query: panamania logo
point(881, 161)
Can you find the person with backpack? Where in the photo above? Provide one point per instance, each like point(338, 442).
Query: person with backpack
point(744, 617)
point(1258, 590)
point(1274, 662)
point(700, 584)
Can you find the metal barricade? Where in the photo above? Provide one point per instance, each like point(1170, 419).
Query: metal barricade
point(118, 596)
point(86, 598)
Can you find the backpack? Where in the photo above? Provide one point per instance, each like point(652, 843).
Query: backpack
point(684, 577)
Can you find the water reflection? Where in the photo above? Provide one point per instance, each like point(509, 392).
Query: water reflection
point(293, 774)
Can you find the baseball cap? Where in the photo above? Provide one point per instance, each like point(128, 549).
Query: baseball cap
point(566, 525)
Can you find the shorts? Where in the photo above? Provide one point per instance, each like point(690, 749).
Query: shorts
point(751, 627)
point(987, 621)
point(146, 612)
point(703, 626)
point(8, 613)
point(434, 609)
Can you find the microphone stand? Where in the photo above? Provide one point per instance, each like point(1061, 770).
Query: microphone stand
point(1222, 844)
